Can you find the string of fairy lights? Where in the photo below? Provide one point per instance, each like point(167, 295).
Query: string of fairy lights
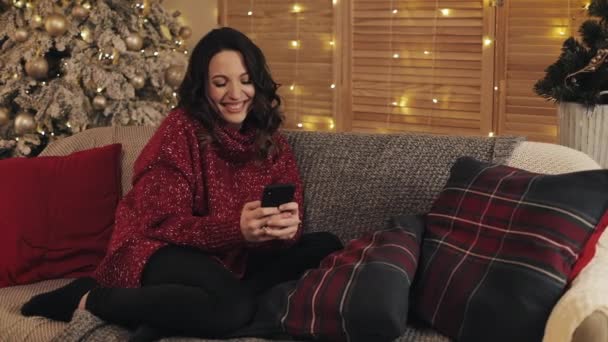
point(295, 43)
point(394, 102)
point(402, 102)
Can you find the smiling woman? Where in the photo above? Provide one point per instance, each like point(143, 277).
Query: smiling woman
point(230, 90)
point(195, 204)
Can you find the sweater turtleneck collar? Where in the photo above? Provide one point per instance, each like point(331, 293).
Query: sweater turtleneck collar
point(236, 144)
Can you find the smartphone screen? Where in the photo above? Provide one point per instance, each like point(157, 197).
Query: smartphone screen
point(276, 194)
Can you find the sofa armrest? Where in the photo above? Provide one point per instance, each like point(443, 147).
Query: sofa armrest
point(582, 312)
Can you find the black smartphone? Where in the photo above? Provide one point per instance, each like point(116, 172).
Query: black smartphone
point(276, 194)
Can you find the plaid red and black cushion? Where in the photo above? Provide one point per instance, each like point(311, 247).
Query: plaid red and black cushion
point(361, 292)
point(499, 247)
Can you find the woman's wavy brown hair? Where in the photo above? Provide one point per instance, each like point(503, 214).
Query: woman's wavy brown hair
point(265, 115)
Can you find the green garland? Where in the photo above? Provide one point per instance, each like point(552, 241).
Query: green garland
point(584, 87)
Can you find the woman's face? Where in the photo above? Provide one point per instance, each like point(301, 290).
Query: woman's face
point(230, 88)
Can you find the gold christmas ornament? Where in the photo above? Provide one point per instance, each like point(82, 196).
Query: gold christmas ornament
point(142, 7)
point(37, 67)
point(174, 75)
point(185, 32)
point(36, 21)
point(24, 123)
point(79, 12)
point(109, 56)
point(86, 35)
point(166, 32)
point(21, 35)
point(56, 24)
point(99, 102)
point(4, 116)
point(134, 42)
point(138, 81)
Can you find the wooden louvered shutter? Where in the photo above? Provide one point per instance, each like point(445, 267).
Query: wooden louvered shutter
point(531, 35)
point(422, 66)
point(299, 47)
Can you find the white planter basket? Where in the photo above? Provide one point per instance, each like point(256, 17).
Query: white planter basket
point(585, 129)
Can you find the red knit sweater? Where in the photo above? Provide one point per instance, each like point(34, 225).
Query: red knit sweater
point(185, 195)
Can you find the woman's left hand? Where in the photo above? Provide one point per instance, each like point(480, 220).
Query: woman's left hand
point(285, 224)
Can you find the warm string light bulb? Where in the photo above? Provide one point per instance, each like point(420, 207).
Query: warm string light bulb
point(297, 8)
point(427, 52)
point(395, 11)
point(295, 44)
point(435, 101)
point(332, 86)
point(445, 11)
point(396, 55)
point(487, 41)
point(491, 134)
point(250, 13)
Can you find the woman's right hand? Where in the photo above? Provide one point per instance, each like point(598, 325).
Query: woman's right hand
point(253, 220)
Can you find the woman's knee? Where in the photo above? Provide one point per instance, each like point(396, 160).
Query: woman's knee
point(323, 242)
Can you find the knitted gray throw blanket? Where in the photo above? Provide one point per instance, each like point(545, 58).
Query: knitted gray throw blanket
point(353, 184)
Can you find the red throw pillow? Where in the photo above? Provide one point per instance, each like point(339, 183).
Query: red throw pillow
point(57, 214)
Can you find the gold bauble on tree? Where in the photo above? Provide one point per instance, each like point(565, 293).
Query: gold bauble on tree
point(99, 102)
point(4, 116)
point(109, 55)
point(174, 75)
point(134, 42)
point(56, 24)
point(142, 7)
point(185, 32)
point(24, 123)
point(138, 81)
point(36, 21)
point(80, 12)
point(37, 68)
point(21, 35)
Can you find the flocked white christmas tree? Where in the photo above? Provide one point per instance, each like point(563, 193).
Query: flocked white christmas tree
point(66, 66)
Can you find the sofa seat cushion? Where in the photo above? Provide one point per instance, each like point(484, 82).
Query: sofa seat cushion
point(14, 326)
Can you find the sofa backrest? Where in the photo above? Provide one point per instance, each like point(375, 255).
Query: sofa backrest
point(353, 182)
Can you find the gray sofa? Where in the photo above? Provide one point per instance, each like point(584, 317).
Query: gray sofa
point(353, 184)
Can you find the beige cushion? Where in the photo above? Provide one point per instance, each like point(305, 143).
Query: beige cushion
point(14, 326)
point(549, 158)
point(132, 138)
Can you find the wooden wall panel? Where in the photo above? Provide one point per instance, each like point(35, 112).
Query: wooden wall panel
point(417, 66)
point(530, 37)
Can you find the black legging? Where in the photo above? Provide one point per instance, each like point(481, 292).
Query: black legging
point(185, 291)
